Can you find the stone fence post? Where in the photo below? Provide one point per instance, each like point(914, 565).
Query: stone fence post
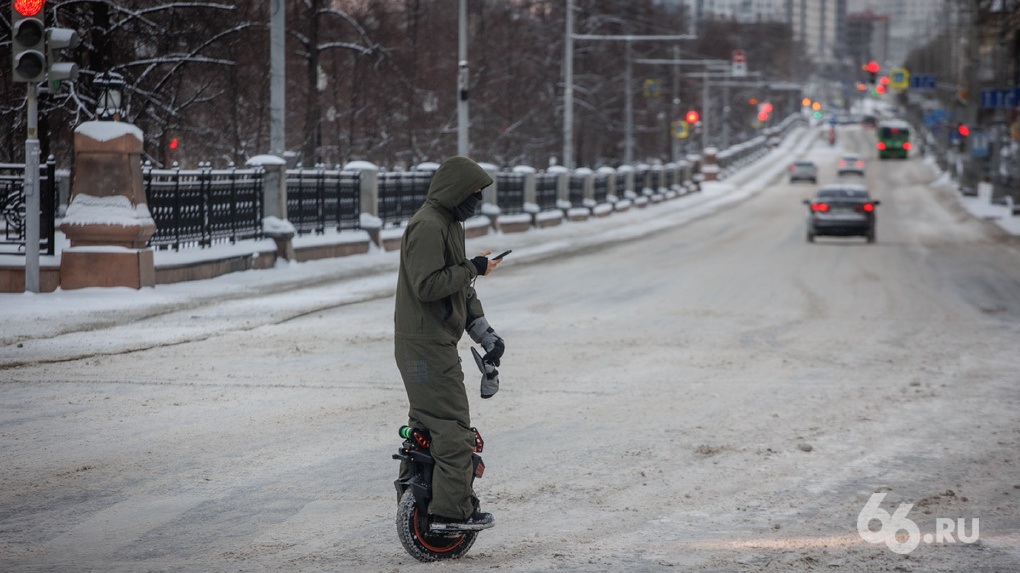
point(369, 198)
point(710, 169)
point(530, 187)
point(274, 194)
point(562, 184)
point(108, 220)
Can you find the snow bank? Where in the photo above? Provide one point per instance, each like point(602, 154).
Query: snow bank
point(275, 226)
point(370, 221)
point(265, 160)
point(361, 166)
point(108, 130)
point(114, 210)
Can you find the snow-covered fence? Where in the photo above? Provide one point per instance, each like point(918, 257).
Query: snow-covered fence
point(510, 198)
point(320, 198)
point(547, 190)
point(12, 207)
point(203, 206)
point(578, 182)
point(641, 177)
point(600, 186)
point(401, 193)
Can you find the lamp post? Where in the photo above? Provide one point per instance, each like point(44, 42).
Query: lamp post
point(110, 86)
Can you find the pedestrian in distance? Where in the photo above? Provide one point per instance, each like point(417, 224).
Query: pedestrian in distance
point(435, 304)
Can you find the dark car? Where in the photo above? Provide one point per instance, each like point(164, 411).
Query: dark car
point(841, 210)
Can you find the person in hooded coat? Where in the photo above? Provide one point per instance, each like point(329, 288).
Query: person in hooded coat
point(435, 304)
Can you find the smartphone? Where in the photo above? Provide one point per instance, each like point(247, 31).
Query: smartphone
point(503, 254)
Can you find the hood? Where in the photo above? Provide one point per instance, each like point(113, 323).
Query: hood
point(456, 179)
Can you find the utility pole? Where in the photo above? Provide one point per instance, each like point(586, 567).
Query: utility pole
point(568, 102)
point(970, 172)
point(277, 74)
point(675, 155)
point(32, 209)
point(568, 89)
point(462, 81)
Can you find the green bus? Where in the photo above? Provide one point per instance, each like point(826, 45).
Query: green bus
point(893, 139)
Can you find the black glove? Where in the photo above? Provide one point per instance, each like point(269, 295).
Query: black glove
point(481, 264)
point(483, 334)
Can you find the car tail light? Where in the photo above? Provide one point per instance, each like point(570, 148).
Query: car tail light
point(869, 207)
point(791, 168)
point(819, 207)
point(860, 164)
point(881, 145)
point(842, 163)
point(906, 145)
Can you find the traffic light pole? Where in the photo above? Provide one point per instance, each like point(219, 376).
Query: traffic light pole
point(32, 213)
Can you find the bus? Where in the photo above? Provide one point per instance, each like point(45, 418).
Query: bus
point(893, 139)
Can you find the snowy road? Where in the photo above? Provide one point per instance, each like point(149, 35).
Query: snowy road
point(711, 393)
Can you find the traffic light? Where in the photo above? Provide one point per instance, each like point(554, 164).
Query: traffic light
point(28, 41)
point(964, 130)
point(873, 69)
point(58, 39)
point(692, 117)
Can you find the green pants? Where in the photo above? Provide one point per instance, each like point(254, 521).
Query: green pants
point(438, 403)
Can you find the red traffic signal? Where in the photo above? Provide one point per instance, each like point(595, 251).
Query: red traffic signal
point(873, 67)
point(692, 116)
point(173, 143)
point(964, 130)
point(28, 7)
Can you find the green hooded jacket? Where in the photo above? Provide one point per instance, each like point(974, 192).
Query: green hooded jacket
point(435, 299)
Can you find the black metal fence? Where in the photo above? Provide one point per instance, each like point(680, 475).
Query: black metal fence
point(317, 198)
point(546, 186)
point(12, 207)
point(600, 187)
point(641, 179)
point(576, 189)
point(203, 206)
point(401, 193)
point(510, 196)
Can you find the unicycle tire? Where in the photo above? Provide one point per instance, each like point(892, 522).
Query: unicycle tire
point(421, 543)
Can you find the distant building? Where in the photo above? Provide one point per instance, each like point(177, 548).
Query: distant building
point(820, 26)
point(909, 20)
point(867, 36)
point(744, 11)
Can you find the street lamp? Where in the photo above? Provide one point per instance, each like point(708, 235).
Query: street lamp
point(110, 85)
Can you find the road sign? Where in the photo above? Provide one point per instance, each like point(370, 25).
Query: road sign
point(979, 144)
point(652, 88)
point(739, 63)
point(921, 82)
point(681, 129)
point(898, 78)
point(1000, 98)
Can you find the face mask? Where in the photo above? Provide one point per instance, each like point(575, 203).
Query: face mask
point(467, 207)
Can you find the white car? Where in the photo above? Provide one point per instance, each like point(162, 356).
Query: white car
point(803, 169)
point(850, 164)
